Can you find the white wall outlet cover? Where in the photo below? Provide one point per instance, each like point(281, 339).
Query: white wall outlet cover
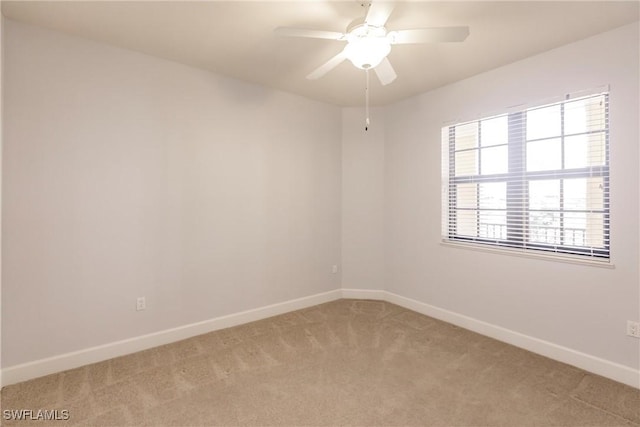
point(633, 329)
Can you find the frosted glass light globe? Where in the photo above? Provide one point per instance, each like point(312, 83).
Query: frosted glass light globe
point(367, 52)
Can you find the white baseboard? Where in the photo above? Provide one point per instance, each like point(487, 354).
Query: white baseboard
point(364, 294)
point(63, 362)
point(596, 365)
point(38, 368)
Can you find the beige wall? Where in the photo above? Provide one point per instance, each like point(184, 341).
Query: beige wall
point(362, 200)
point(126, 175)
point(581, 307)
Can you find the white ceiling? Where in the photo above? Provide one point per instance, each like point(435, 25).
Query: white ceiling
point(235, 38)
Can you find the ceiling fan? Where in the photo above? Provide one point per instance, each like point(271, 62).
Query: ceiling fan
point(369, 42)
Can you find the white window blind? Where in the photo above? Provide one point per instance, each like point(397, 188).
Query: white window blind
point(535, 179)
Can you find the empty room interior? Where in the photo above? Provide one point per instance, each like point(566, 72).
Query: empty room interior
point(320, 213)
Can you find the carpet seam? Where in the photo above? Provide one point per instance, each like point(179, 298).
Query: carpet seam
point(576, 398)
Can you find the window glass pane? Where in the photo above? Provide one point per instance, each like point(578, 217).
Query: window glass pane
point(467, 195)
point(595, 194)
point(544, 194)
point(467, 163)
point(493, 195)
point(595, 230)
point(494, 131)
point(543, 122)
point(544, 227)
point(584, 150)
point(584, 115)
point(584, 194)
point(494, 160)
point(466, 136)
point(575, 228)
point(493, 224)
point(575, 194)
point(544, 155)
point(466, 224)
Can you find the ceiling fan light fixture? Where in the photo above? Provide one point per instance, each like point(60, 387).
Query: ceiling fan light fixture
point(367, 52)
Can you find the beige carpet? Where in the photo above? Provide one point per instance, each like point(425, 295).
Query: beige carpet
point(348, 362)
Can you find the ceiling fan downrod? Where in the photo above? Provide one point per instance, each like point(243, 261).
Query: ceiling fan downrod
point(367, 122)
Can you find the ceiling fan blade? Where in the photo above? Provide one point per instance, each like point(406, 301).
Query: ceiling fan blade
point(385, 72)
point(313, 34)
point(327, 66)
point(429, 35)
point(378, 13)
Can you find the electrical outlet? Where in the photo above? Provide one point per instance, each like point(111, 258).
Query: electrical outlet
point(633, 329)
point(334, 269)
point(141, 304)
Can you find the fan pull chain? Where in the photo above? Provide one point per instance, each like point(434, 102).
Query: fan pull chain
point(366, 100)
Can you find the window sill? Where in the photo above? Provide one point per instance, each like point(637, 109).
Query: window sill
point(569, 259)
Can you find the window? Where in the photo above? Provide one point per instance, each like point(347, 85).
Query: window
point(535, 180)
